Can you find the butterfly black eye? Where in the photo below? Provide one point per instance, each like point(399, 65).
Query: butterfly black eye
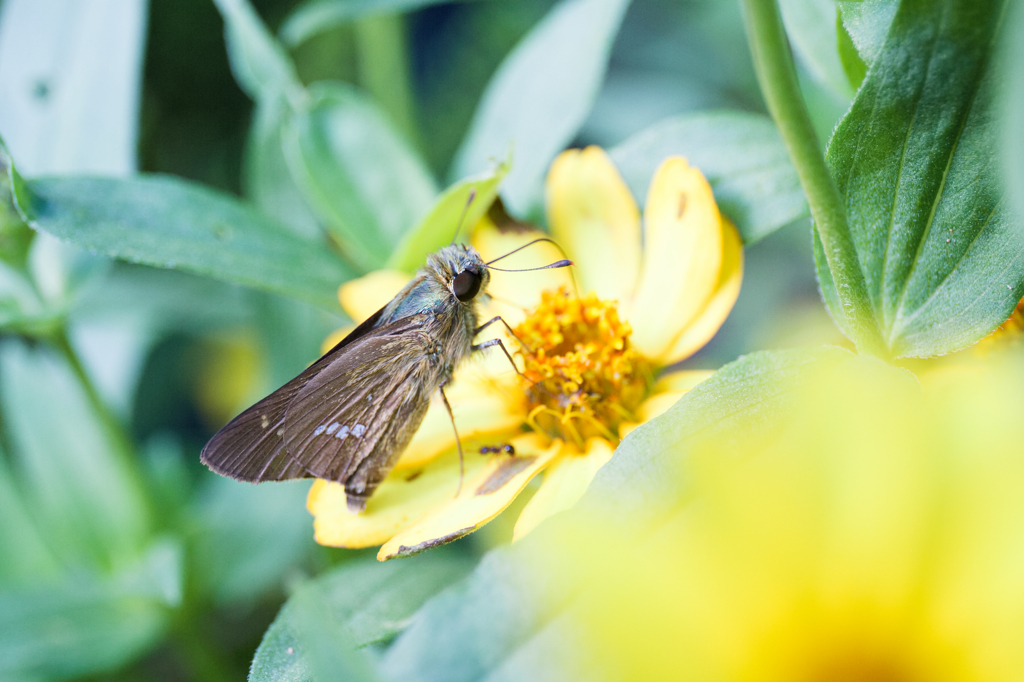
point(466, 285)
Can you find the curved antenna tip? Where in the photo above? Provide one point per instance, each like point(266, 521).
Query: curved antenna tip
point(565, 262)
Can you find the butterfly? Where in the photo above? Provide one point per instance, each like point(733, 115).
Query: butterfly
point(349, 416)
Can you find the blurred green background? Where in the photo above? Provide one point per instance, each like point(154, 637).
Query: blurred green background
point(121, 556)
point(670, 57)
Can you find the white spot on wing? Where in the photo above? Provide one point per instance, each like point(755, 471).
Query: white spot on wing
point(342, 432)
point(358, 430)
point(320, 429)
point(332, 428)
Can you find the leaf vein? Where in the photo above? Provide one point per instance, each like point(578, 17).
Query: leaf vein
point(935, 205)
point(906, 321)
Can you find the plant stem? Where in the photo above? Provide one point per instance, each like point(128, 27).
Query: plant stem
point(110, 423)
point(776, 74)
point(383, 63)
point(63, 343)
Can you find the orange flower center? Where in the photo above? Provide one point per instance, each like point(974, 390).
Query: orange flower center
point(584, 376)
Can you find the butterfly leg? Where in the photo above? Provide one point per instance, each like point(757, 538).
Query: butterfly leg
point(458, 441)
point(499, 318)
point(497, 342)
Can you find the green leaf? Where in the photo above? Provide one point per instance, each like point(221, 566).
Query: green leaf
point(384, 62)
point(78, 483)
point(316, 16)
point(35, 300)
point(28, 559)
point(853, 65)
point(248, 537)
point(22, 310)
point(115, 326)
point(501, 622)
point(364, 601)
point(88, 625)
point(914, 160)
point(19, 193)
point(1011, 105)
point(364, 181)
point(260, 64)
point(867, 22)
point(826, 284)
point(62, 271)
point(72, 84)
point(268, 181)
point(540, 96)
point(15, 235)
point(290, 334)
point(483, 627)
point(806, 22)
point(438, 227)
point(160, 302)
point(740, 154)
point(57, 271)
point(172, 223)
point(327, 646)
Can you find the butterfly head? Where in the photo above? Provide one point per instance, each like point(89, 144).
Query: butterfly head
point(462, 270)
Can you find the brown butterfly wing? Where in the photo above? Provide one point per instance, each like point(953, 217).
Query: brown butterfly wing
point(352, 421)
point(251, 446)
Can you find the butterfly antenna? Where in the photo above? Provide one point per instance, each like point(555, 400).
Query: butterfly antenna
point(557, 264)
point(465, 210)
point(535, 241)
point(564, 263)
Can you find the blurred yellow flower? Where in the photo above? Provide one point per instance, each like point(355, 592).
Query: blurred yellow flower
point(230, 374)
point(593, 362)
point(1006, 334)
point(874, 534)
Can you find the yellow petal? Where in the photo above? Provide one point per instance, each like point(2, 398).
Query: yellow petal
point(483, 496)
point(709, 320)
point(513, 293)
point(682, 256)
point(403, 498)
point(594, 217)
point(681, 381)
point(658, 404)
point(483, 403)
point(625, 428)
point(363, 296)
point(667, 394)
point(564, 483)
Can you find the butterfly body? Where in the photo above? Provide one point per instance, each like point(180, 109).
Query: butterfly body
point(350, 415)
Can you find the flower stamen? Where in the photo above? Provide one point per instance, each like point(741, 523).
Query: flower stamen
point(584, 376)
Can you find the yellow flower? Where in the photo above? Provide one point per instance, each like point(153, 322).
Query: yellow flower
point(873, 534)
point(592, 362)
